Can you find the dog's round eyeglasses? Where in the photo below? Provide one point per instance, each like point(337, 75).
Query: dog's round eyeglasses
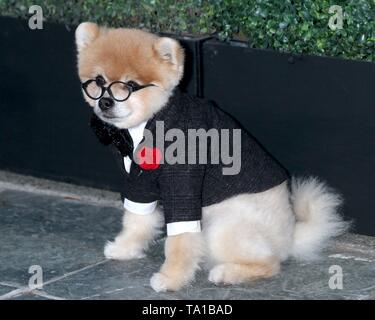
point(118, 90)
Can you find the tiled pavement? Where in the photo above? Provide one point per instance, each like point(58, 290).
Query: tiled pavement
point(63, 229)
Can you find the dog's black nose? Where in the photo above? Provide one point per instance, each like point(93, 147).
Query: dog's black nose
point(106, 103)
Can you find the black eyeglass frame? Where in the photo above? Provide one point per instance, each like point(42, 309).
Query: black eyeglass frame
point(133, 87)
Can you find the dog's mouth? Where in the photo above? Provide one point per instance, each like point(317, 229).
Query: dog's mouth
point(112, 118)
point(109, 116)
point(112, 115)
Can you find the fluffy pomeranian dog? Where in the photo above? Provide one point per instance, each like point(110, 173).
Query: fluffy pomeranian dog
point(240, 238)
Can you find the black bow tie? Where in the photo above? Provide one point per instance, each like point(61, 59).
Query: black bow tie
point(109, 134)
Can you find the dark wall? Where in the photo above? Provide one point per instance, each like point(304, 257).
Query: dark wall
point(43, 123)
point(315, 115)
point(44, 119)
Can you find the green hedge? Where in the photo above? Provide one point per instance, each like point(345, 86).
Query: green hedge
point(299, 26)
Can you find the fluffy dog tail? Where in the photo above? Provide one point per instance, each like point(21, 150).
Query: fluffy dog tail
point(315, 206)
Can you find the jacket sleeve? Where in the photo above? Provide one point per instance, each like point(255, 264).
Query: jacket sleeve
point(181, 187)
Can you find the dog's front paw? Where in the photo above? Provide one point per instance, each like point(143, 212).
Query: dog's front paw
point(221, 275)
point(161, 283)
point(118, 251)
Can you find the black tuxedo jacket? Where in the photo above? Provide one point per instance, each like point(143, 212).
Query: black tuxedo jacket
point(184, 189)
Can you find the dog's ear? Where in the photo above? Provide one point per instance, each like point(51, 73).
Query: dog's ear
point(86, 33)
point(170, 50)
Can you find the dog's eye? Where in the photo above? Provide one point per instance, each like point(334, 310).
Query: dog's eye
point(100, 81)
point(133, 84)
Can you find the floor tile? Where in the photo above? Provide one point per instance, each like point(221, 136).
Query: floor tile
point(130, 280)
point(5, 289)
point(66, 238)
point(58, 234)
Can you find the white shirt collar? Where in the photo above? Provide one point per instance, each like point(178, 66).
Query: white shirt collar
point(137, 133)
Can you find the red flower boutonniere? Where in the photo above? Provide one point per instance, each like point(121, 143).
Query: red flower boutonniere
point(149, 158)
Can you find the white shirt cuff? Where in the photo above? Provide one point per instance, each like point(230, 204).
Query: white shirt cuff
point(140, 208)
point(176, 228)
